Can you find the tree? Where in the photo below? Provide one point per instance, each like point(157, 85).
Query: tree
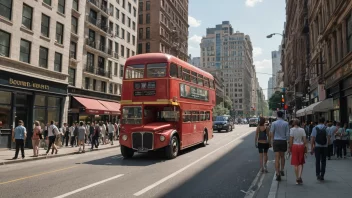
point(220, 110)
point(228, 103)
point(275, 100)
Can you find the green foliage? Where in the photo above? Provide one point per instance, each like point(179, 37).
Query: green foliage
point(228, 103)
point(220, 110)
point(275, 100)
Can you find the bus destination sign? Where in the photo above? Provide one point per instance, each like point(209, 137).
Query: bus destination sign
point(191, 92)
point(145, 88)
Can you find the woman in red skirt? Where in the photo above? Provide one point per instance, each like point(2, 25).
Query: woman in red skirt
point(297, 149)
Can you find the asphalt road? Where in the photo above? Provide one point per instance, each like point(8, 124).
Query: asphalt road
point(225, 168)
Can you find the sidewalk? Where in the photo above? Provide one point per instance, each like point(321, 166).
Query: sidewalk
point(7, 155)
point(338, 180)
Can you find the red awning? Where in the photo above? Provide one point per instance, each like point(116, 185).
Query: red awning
point(93, 106)
point(113, 107)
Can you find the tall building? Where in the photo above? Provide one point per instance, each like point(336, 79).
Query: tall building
point(230, 53)
point(276, 64)
point(195, 61)
point(163, 27)
point(270, 87)
point(63, 60)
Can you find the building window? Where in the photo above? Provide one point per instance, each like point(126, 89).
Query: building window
point(5, 39)
point(140, 33)
point(140, 48)
point(47, 2)
point(87, 82)
point(128, 52)
point(140, 19)
point(45, 26)
point(103, 87)
point(129, 22)
point(117, 14)
point(59, 32)
point(61, 6)
point(134, 12)
point(147, 47)
point(121, 70)
point(27, 16)
point(25, 51)
point(134, 25)
point(111, 88)
point(349, 33)
point(75, 4)
point(147, 6)
point(74, 24)
point(117, 30)
point(148, 19)
point(43, 57)
point(71, 76)
point(94, 85)
point(115, 69)
point(58, 62)
point(147, 33)
point(129, 8)
point(128, 37)
point(123, 33)
point(73, 50)
point(123, 4)
point(133, 53)
point(116, 47)
point(123, 18)
point(6, 9)
point(140, 6)
point(133, 40)
point(122, 50)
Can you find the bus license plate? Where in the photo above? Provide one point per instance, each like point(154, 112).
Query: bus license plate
point(142, 150)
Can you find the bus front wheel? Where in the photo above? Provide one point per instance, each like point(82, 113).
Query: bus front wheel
point(126, 152)
point(172, 149)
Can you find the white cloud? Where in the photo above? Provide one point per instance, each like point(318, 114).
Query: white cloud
point(263, 64)
point(252, 3)
point(263, 69)
point(194, 22)
point(195, 39)
point(257, 51)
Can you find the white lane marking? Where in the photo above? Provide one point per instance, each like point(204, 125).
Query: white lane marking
point(184, 168)
point(250, 191)
point(273, 188)
point(89, 186)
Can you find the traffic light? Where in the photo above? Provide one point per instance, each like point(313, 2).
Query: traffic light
point(282, 100)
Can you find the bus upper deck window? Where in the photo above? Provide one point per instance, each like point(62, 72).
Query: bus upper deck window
point(134, 71)
point(173, 70)
point(156, 70)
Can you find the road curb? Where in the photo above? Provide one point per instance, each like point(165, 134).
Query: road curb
point(51, 156)
point(274, 188)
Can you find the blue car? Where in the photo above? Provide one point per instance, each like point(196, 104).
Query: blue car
point(224, 122)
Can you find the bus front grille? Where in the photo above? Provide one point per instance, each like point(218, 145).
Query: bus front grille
point(142, 140)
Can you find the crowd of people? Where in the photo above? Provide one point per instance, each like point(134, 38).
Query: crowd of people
point(51, 137)
point(326, 139)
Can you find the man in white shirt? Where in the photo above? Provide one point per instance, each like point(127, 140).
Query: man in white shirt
point(72, 135)
point(53, 131)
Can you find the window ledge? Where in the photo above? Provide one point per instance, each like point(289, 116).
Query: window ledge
point(23, 28)
point(45, 38)
point(59, 45)
point(47, 6)
point(5, 20)
point(61, 14)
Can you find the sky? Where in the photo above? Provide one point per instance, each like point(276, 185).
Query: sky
point(256, 18)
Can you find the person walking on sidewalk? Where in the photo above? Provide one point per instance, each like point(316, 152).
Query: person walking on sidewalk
point(339, 142)
point(37, 132)
point(65, 130)
point(53, 131)
point(279, 135)
point(81, 136)
point(349, 135)
point(344, 140)
point(72, 134)
point(95, 137)
point(111, 130)
point(298, 149)
point(331, 132)
point(319, 145)
point(261, 142)
point(20, 134)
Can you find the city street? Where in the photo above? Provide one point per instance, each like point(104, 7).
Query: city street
point(225, 168)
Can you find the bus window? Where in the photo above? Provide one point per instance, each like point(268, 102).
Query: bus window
point(132, 115)
point(134, 71)
point(186, 116)
point(207, 115)
point(194, 77)
point(173, 70)
point(200, 80)
point(211, 84)
point(156, 70)
point(186, 75)
point(195, 115)
point(202, 116)
point(179, 68)
point(206, 82)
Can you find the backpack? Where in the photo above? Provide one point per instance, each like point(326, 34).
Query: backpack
point(321, 136)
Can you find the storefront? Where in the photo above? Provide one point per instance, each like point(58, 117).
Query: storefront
point(28, 99)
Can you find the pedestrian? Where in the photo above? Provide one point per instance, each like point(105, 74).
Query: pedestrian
point(95, 137)
point(102, 132)
point(331, 132)
point(262, 143)
point(19, 135)
point(111, 130)
point(37, 133)
point(298, 149)
point(116, 133)
point(341, 137)
point(349, 137)
point(279, 134)
point(91, 132)
point(344, 140)
point(81, 136)
point(72, 134)
point(66, 131)
point(319, 145)
point(75, 134)
point(53, 131)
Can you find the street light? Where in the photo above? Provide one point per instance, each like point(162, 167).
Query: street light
point(271, 35)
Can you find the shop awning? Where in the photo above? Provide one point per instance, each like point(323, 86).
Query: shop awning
point(93, 106)
point(301, 112)
point(324, 106)
point(310, 108)
point(113, 107)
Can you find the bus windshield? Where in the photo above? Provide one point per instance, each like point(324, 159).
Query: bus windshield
point(161, 114)
point(156, 70)
point(134, 71)
point(132, 115)
point(221, 118)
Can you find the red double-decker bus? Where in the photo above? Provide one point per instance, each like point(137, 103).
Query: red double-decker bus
point(166, 103)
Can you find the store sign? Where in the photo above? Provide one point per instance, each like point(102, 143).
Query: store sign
point(28, 84)
point(145, 88)
point(191, 92)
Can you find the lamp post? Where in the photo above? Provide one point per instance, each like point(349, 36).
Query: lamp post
point(271, 35)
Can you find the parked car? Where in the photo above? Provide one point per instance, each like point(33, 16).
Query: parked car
point(253, 122)
point(224, 122)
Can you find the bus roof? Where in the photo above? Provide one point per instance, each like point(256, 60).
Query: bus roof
point(162, 57)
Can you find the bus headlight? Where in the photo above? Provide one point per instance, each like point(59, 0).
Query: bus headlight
point(124, 137)
point(162, 138)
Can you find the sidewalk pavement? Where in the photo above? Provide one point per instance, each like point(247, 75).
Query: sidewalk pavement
point(7, 155)
point(337, 183)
